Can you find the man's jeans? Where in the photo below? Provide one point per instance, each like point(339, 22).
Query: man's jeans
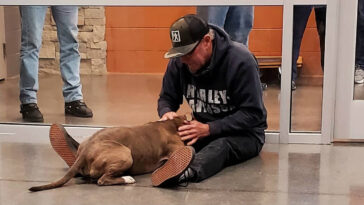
point(237, 21)
point(66, 18)
point(359, 55)
point(215, 153)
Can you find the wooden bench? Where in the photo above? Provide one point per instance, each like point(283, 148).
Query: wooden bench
point(274, 62)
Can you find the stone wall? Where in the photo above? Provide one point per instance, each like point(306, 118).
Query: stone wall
point(91, 37)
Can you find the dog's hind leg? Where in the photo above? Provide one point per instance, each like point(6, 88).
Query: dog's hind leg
point(118, 161)
point(113, 173)
point(106, 180)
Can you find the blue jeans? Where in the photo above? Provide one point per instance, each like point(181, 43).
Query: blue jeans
point(66, 18)
point(300, 18)
point(237, 21)
point(359, 55)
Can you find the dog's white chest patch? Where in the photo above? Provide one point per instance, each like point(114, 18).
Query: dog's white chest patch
point(128, 179)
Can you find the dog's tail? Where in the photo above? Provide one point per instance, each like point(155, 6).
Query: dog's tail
point(69, 175)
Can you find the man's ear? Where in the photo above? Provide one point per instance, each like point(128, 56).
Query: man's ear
point(189, 117)
point(206, 38)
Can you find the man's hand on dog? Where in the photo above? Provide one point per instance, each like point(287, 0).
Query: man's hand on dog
point(191, 131)
point(168, 116)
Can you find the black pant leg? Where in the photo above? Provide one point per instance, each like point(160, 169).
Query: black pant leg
point(320, 15)
point(216, 154)
point(301, 13)
point(359, 55)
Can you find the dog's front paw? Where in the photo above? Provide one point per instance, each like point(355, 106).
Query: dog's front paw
point(128, 179)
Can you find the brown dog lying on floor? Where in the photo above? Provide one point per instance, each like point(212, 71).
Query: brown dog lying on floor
point(112, 152)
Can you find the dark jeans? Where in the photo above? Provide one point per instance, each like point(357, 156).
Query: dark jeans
point(359, 55)
point(300, 18)
point(214, 154)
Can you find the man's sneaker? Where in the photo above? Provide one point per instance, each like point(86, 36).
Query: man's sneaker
point(63, 144)
point(31, 113)
point(169, 174)
point(293, 85)
point(264, 86)
point(77, 108)
point(188, 175)
point(359, 75)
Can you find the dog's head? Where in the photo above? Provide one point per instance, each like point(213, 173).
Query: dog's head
point(188, 117)
point(180, 119)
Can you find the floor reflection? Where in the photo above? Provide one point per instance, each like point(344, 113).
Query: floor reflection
point(359, 92)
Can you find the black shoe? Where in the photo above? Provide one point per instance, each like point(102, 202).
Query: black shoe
point(187, 176)
point(77, 108)
point(31, 112)
point(293, 85)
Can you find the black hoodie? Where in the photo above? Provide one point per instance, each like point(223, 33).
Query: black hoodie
point(226, 94)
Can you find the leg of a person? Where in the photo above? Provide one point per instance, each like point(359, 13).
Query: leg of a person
point(300, 18)
point(222, 152)
point(359, 55)
point(239, 23)
point(320, 15)
point(213, 14)
point(66, 18)
point(32, 21)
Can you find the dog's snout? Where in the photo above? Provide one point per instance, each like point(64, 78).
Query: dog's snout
point(189, 117)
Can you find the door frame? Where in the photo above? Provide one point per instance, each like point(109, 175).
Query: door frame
point(349, 112)
point(328, 102)
point(3, 65)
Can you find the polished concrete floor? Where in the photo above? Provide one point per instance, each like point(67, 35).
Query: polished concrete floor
point(282, 174)
point(359, 92)
point(127, 99)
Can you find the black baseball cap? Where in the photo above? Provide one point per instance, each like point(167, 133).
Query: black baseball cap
point(185, 33)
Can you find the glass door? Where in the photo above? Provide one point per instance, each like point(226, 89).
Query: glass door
point(349, 109)
point(290, 130)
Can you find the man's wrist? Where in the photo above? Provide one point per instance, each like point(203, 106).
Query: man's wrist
point(207, 129)
point(213, 128)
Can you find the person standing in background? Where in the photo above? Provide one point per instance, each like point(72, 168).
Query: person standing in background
point(237, 21)
point(32, 22)
point(359, 54)
point(300, 19)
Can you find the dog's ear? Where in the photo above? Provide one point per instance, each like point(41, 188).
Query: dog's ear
point(189, 117)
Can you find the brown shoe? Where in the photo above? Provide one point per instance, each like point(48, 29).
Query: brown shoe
point(63, 144)
point(169, 173)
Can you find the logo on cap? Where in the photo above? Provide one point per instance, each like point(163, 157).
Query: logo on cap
point(175, 36)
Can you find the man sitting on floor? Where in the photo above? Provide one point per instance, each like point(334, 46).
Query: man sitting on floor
point(219, 79)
